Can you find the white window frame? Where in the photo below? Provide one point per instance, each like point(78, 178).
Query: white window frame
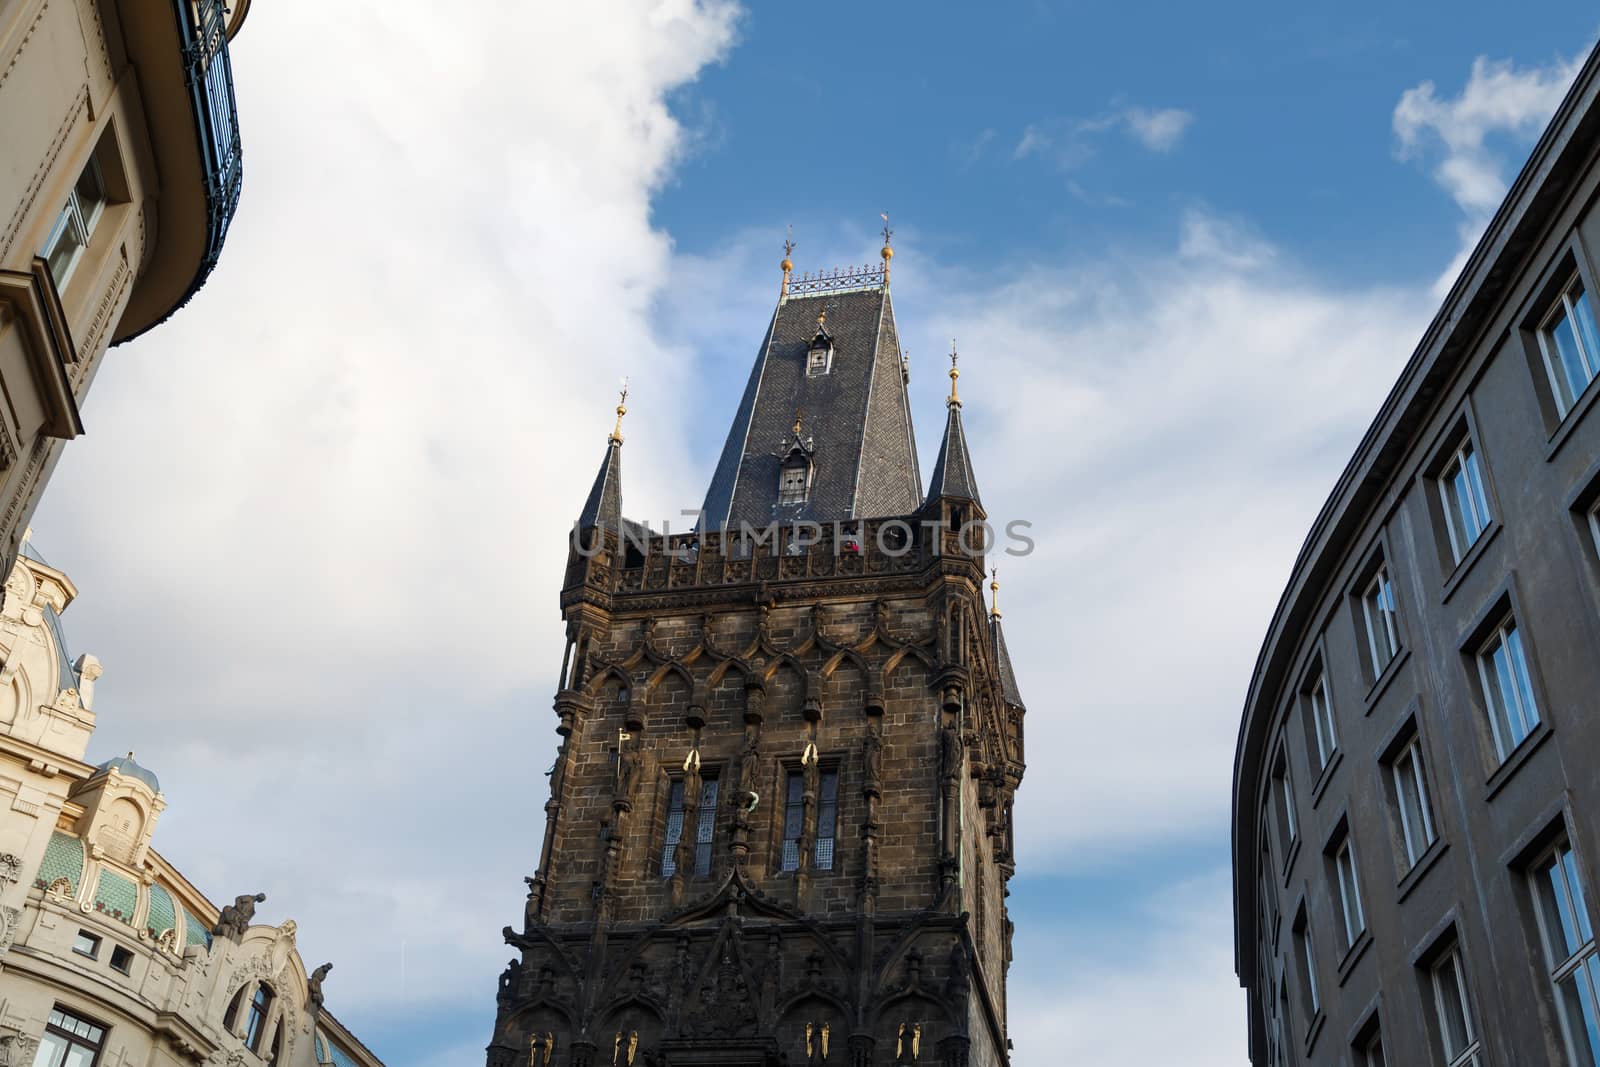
point(1508, 710)
point(816, 368)
point(1350, 910)
point(1322, 720)
point(1468, 1054)
point(1561, 965)
point(1564, 307)
point(1416, 839)
point(74, 219)
point(1387, 626)
point(1465, 517)
point(787, 495)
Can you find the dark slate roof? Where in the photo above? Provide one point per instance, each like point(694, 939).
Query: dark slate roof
point(952, 474)
point(604, 506)
point(857, 417)
point(1008, 677)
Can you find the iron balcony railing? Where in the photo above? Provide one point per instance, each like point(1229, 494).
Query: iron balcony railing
point(208, 73)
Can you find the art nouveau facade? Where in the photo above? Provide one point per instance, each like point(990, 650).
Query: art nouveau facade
point(1416, 795)
point(107, 953)
point(119, 173)
point(779, 828)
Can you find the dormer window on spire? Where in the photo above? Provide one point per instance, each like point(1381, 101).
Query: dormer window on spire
point(819, 357)
point(794, 480)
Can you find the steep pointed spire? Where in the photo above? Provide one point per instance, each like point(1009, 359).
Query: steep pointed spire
point(952, 473)
point(832, 349)
point(1002, 658)
point(604, 506)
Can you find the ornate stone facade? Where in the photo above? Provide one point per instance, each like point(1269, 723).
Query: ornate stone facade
point(778, 829)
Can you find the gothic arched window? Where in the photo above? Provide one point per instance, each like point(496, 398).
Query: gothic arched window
point(794, 480)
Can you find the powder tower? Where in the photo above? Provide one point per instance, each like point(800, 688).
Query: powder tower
point(779, 825)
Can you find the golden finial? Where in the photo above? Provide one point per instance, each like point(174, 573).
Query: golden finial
point(955, 373)
point(787, 264)
point(622, 409)
point(822, 318)
point(887, 253)
point(798, 412)
point(994, 592)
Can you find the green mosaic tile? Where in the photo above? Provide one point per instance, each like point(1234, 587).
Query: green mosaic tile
point(63, 858)
point(195, 932)
point(116, 896)
point(163, 913)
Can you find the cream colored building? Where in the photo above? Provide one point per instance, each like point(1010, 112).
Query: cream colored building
point(108, 955)
point(119, 174)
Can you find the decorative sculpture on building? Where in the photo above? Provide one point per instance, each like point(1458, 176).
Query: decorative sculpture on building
point(235, 917)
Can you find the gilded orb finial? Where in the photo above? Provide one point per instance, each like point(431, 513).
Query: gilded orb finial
point(622, 409)
point(994, 592)
point(798, 414)
point(955, 373)
point(787, 264)
point(822, 318)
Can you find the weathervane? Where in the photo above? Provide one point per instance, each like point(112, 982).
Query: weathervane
point(887, 253)
point(622, 409)
point(955, 372)
point(787, 264)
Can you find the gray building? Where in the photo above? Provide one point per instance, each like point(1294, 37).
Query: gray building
point(1416, 794)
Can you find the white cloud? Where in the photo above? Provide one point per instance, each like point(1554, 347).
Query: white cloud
point(1158, 130)
point(1069, 143)
point(1498, 101)
point(318, 519)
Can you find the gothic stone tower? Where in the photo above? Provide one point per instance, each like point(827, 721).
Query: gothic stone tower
point(779, 825)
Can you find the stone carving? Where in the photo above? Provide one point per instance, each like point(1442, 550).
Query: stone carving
point(541, 1048)
point(16, 1050)
point(749, 770)
point(235, 917)
point(725, 1008)
point(950, 750)
point(627, 776)
point(872, 756)
point(314, 995)
point(10, 867)
point(10, 921)
point(816, 1044)
point(957, 987)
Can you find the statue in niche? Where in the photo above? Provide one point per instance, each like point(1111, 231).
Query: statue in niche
point(872, 754)
point(627, 775)
point(816, 1044)
point(540, 1048)
point(750, 769)
point(235, 917)
point(956, 987)
point(907, 1044)
point(950, 749)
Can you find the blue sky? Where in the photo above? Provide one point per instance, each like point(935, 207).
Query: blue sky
point(1185, 249)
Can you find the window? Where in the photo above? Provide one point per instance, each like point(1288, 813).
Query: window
point(819, 359)
point(1570, 344)
point(260, 1005)
point(1344, 862)
point(69, 1041)
point(827, 817)
point(792, 483)
point(705, 827)
point(1458, 1031)
point(1569, 950)
point(1309, 994)
point(1370, 1052)
point(1411, 798)
point(121, 959)
point(1594, 523)
point(793, 822)
point(1466, 505)
point(1322, 719)
point(86, 944)
point(230, 1018)
point(1284, 788)
point(1507, 688)
point(669, 846)
point(1378, 611)
point(70, 235)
